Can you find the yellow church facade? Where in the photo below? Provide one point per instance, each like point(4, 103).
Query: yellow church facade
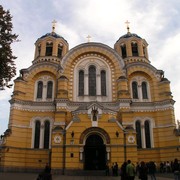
point(81, 108)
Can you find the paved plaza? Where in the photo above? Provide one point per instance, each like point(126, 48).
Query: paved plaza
point(31, 176)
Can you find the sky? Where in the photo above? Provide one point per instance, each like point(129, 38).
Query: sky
point(157, 21)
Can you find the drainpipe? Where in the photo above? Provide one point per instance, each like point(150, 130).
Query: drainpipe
point(125, 150)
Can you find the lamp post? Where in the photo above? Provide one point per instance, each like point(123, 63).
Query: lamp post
point(125, 150)
point(64, 151)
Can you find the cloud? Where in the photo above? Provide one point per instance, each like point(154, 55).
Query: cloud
point(156, 21)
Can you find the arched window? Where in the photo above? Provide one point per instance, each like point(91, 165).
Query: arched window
point(144, 90)
point(103, 83)
point(138, 135)
point(92, 81)
point(144, 51)
point(49, 89)
point(46, 134)
point(134, 48)
point(39, 89)
point(135, 90)
point(60, 48)
point(49, 48)
point(39, 49)
point(37, 134)
point(81, 83)
point(123, 51)
point(147, 134)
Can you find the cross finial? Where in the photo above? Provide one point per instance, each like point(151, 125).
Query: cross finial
point(127, 23)
point(53, 25)
point(89, 38)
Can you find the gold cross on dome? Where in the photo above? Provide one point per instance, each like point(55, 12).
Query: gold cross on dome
point(89, 38)
point(127, 23)
point(53, 25)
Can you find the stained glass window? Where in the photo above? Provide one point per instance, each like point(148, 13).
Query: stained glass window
point(81, 83)
point(123, 50)
point(39, 89)
point(92, 81)
point(49, 48)
point(138, 135)
point(144, 90)
point(103, 83)
point(147, 134)
point(49, 89)
point(134, 47)
point(46, 134)
point(37, 134)
point(135, 90)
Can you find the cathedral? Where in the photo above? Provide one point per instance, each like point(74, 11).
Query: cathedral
point(78, 109)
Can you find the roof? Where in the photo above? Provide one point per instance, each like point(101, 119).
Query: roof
point(129, 35)
point(53, 34)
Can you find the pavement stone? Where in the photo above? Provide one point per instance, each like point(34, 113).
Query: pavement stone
point(33, 176)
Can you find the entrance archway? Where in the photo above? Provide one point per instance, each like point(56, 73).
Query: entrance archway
point(94, 153)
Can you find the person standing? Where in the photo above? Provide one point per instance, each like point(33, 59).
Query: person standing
point(107, 169)
point(176, 169)
point(123, 171)
point(116, 169)
point(143, 171)
point(152, 170)
point(130, 170)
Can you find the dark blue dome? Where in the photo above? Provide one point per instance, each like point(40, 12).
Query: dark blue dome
point(53, 34)
point(128, 35)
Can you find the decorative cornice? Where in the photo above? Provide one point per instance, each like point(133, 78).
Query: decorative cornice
point(136, 59)
point(52, 59)
point(82, 107)
point(32, 106)
point(95, 48)
point(152, 106)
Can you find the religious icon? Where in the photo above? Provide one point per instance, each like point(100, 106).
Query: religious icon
point(94, 113)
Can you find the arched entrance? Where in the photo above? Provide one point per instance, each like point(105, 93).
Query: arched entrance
point(94, 153)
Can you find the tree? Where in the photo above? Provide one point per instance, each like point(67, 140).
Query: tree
point(7, 64)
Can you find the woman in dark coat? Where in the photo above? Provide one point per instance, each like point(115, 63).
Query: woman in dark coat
point(143, 171)
point(123, 171)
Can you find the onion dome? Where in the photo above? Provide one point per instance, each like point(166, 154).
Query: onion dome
point(50, 47)
point(131, 47)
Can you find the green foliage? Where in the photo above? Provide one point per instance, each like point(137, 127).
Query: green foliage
point(7, 64)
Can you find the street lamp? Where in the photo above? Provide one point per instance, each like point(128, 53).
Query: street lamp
point(125, 151)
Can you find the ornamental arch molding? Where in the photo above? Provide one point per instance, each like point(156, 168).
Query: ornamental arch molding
point(94, 48)
point(33, 71)
point(94, 130)
point(147, 69)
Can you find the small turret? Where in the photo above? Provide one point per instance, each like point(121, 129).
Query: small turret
point(50, 47)
point(132, 47)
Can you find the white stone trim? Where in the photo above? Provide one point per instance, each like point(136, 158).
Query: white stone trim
point(45, 80)
point(100, 64)
point(139, 80)
point(42, 122)
point(152, 126)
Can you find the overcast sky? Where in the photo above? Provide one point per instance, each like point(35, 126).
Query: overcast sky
point(157, 21)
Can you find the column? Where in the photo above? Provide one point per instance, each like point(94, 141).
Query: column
point(41, 145)
point(86, 86)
